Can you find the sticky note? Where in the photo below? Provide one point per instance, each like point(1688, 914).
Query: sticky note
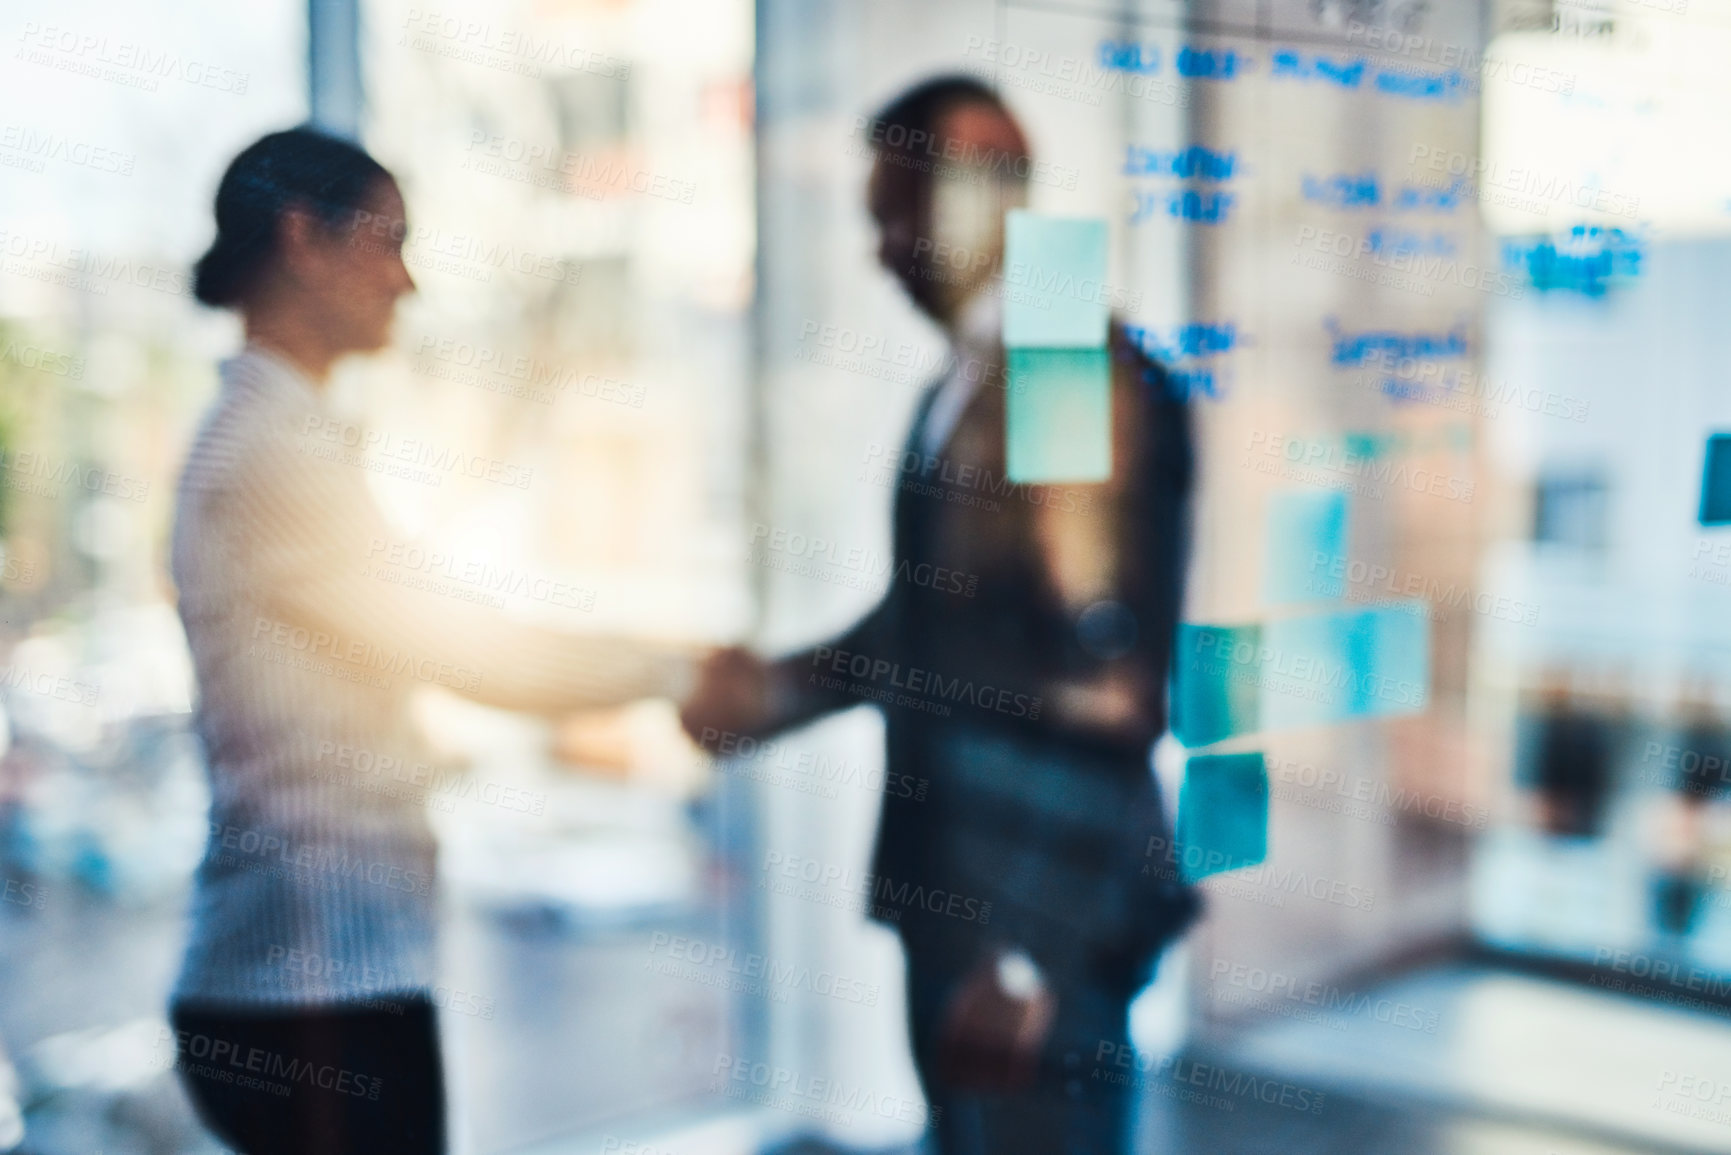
point(1306, 558)
point(1321, 668)
point(1055, 292)
point(1214, 691)
point(1306, 673)
point(1393, 642)
point(1716, 481)
point(1059, 415)
point(1222, 814)
point(1300, 670)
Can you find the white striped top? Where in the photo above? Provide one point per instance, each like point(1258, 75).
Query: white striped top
point(315, 889)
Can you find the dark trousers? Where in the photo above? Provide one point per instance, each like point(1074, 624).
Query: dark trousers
point(316, 1081)
point(1073, 1108)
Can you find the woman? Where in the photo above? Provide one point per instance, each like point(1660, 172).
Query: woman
point(302, 1011)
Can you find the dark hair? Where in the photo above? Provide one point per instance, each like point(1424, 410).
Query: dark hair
point(300, 167)
point(909, 123)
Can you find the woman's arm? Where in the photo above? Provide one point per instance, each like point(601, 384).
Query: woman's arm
point(309, 527)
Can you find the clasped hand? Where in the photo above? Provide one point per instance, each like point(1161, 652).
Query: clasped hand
point(732, 698)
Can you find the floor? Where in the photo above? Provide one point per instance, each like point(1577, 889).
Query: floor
point(1347, 1127)
point(1519, 1052)
point(1508, 1064)
point(1515, 1065)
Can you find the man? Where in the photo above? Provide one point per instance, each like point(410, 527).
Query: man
point(1018, 883)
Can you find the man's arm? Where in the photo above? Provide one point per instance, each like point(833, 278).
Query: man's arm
point(741, 695)
point(797, 690)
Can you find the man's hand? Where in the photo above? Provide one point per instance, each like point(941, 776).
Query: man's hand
point(995, 1027)
point(732, 696)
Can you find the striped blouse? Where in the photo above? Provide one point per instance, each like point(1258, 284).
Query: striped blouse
point(316, 889)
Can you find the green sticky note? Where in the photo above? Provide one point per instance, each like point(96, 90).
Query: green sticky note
point(1222, 814)
point(1306, 560)
point(1055, 292)
point(1214, 690)
point(1059, 415)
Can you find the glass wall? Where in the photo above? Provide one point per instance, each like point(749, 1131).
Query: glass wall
point(1441, 282)
point(119, 121)
point(1614, 699)
point(580, 192)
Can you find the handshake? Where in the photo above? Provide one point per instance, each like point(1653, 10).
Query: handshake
point(639, 741)
point(733, 695)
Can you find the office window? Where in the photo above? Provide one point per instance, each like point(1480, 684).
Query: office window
point(1570, 511)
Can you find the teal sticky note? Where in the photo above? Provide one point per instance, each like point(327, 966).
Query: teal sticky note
point(1307, 674)
point(1316, 669)
point(1055, 292)
point(1300, 670)
point(1716, 481)
point(1306, 559)
point(1214, 690)
point(1393, 642)
point(1222, 814)
point(1059, 415)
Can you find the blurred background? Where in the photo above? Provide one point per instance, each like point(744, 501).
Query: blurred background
point(1454, 270)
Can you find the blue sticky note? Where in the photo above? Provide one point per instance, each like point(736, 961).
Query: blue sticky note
point(1306, 559)
point(1302, 670)
point(1059, 416)
point(1055, 292)
point(1716, 481)
point(1321, 668)
point(1306, 672)
point(1393, 641)
point(1222, 814)
point(1214, 690)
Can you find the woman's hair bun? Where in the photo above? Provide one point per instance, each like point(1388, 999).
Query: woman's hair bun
point(301, 166)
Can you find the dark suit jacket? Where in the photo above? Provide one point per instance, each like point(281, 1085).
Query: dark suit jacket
point(1021, 657)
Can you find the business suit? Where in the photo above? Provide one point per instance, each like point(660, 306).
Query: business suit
point(1029, 706)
